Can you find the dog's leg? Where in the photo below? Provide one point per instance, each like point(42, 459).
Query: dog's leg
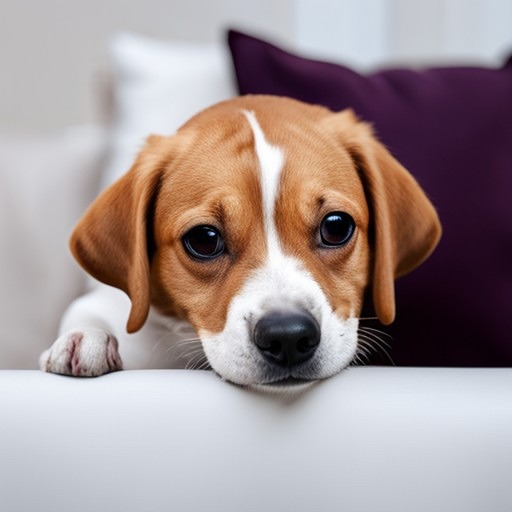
point(88, 342)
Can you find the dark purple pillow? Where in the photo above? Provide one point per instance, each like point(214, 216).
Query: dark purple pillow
point(452, 128)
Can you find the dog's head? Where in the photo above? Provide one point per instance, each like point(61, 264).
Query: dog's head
point(262, 222)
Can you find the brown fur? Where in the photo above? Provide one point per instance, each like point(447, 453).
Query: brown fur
point(208, 174)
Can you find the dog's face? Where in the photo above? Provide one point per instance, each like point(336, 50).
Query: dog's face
point(262, 222)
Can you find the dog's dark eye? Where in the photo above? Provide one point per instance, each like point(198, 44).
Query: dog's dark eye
point(336, 229)
point(203, 243)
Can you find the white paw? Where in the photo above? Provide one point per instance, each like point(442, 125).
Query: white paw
point(86, 353)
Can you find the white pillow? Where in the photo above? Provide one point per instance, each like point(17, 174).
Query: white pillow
point(46, 183)
point(157, 87)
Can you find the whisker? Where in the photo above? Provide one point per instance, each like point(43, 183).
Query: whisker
point(364, 347)
point(178, 346)
point(356, 361)
point(375, 337)
point(378, 331)
point(361, 356)
point(187, 341)
point(158, 343)
point(188, 350)
point(192, 359)
point(197, 362)
point(382, 345)
point(192, 351)
point(374, 343)
point(205, 365)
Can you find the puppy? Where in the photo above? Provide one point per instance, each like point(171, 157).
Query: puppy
point(258, 226)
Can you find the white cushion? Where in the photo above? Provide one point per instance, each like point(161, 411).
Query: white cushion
point(367, 440)
point(157, 87)
point(46, 182)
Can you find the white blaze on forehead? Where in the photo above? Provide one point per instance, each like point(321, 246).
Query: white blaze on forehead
point(271, 160)
point(281, 281)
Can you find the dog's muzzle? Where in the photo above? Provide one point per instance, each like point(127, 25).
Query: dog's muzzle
point(286, 339)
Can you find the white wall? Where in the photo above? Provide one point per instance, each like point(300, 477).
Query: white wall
point(464, 30)
point(372, 32)
point(53, 61)
point(53, 52)
point(350, 31)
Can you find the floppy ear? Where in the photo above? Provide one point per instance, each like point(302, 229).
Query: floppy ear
point(404, 224)
point(111, 240)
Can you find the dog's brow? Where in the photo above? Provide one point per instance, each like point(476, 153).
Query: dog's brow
point(271, 161)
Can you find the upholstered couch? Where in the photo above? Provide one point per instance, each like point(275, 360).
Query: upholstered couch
point(411, 438)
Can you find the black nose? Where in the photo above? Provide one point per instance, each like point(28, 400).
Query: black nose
point(285, 338)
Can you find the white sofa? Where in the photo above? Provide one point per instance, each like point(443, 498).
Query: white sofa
point(369, 439)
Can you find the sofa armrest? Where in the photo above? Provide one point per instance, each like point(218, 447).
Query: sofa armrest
point(368, 439)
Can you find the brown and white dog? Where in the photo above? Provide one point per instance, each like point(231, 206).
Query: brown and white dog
point(258, 226)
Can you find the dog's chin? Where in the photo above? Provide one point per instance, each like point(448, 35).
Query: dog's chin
point(288, 386)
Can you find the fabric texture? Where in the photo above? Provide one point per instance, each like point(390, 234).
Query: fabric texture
point(451, 127)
